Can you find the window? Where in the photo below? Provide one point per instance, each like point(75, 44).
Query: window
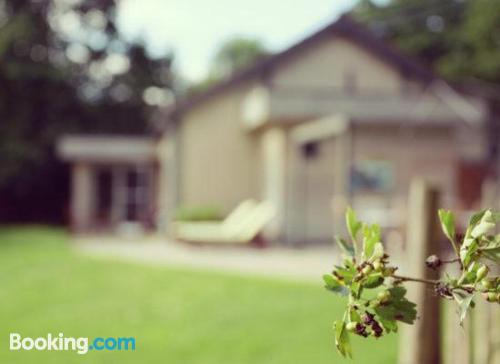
point(310, 150)
point(137, 181)
point(372, 175)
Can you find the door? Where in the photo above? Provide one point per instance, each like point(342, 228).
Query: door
point(133, 195)
point(104, 194)
point(312, 191)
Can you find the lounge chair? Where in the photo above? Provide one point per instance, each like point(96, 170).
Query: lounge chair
point(241, 226)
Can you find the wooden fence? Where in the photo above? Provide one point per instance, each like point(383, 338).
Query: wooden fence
point(437, 336)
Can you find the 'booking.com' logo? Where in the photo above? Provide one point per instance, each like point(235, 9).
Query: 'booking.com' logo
point(61, 343)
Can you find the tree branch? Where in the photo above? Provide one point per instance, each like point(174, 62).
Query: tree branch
point(456, 260)
point(419, 280)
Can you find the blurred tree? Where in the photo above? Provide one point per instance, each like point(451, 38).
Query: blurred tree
point(64, 68)
point(234, 55)
point(458, 38)
point(479, 54)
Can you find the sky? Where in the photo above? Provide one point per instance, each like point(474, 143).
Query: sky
point(195, 29)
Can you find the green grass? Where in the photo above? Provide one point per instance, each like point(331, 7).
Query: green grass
point(177, 316)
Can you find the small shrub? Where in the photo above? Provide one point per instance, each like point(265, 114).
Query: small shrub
point(198, 213)
point(376, 294)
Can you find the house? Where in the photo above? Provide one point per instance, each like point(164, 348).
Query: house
point(339, 118)
point(113, 180)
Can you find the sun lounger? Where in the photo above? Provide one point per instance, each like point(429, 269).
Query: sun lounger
point(240, 227)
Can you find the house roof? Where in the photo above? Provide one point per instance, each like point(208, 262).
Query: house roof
point(346, 27)
point(107, 148)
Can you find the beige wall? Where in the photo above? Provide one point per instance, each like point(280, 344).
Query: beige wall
point(274, 160)
point(423, 152)
point(311, 189)
point(218, 157)
point(429, 152)
point(325, 64)
point(222, 162)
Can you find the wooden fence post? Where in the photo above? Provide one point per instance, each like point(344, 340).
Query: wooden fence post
point(420, 343)
point(487, 328)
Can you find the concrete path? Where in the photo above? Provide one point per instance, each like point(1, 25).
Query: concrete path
point(297, 264)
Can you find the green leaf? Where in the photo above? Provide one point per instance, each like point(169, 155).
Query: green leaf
point(481, 223)
point(397, 292)
point(373, 281)
point(398, 308)
point(492, 253)
point(484, 227)
point(491, 249)
point(474, 219)
point(490, 216)
point(467, 251)
point(378, 251)
point(371, 236)
point(346, 247)
point(331, 281)
point(389, 325)
point(464, 300)
point(468, 278)
point(342, 342)
point(346, 274)
point(332, 284)
point(447, 223)
point(356, 289)
point(354, 315)
point(353, 225)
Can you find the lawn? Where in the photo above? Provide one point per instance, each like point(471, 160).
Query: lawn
point(177, 316)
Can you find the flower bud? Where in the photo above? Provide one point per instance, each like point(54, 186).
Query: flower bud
point(378, 251)
point(384, 296)
point(351, 326)
point(378, 265)
point(487, 284)
point(366, 270)
point(433, 262)
point(367, 318)
point(482, 272)
point(361, 330)
point(389, 271)
point(490, 297)
point(377, 329)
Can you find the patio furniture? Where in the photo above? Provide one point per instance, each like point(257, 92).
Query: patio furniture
point(241, 226)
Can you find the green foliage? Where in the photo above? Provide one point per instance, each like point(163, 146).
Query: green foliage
point(342, 342)
point(347, 248)
point(448, 226)
point(234, 55)
point(367, 313)
point(376, 295)
point(353, 227)
point(459, 39)
point(447, 223)
point(333, 284)
point(45, 93)
point(400, 308)
point(371, 236)
point(198, 213)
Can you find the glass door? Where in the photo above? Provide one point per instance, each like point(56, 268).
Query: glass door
point(132, 194)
